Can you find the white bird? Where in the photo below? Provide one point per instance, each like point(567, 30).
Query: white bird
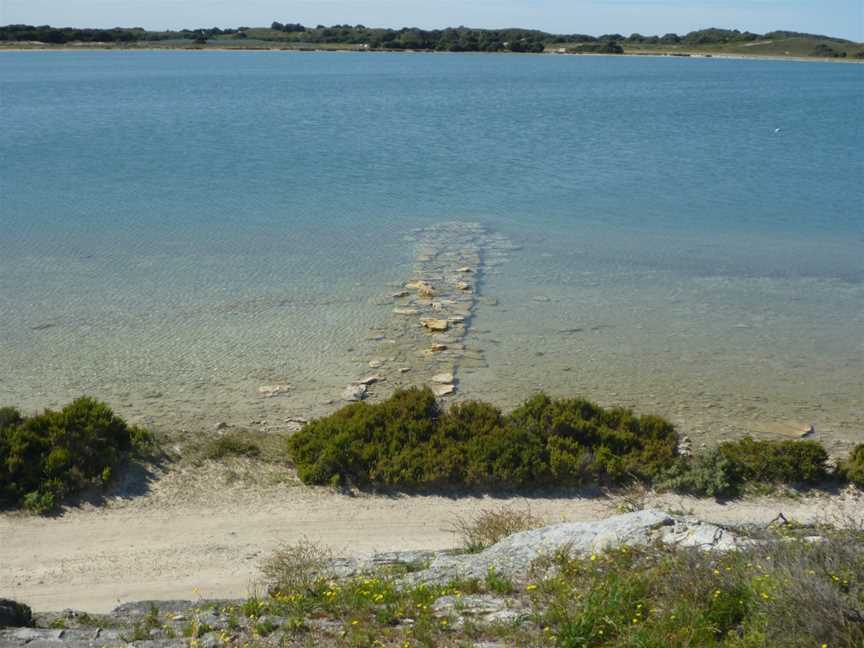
point(776, 130)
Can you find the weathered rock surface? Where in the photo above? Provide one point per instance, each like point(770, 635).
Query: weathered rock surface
point(369, 380)
point(484, 608)
point(354, 392)
point(435, 324)
point(443, 390)
point(273, 390)
point(512, 557)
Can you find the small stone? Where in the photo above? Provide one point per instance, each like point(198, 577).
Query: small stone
point(456, 319)
point(443, 390)
point(404, 369)
point(461, 285)
point(400, 294)
point(374, 364)
point(221, 425)
point(443, 378)
point(405, 311)
point(435, 324)
point(435, 348)
point(465, 269)
point(354, 393)
point(369, 380)
point(423, 288)
point(426, 292)
point(269, 391)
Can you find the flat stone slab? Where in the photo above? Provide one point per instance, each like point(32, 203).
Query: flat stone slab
point(512, 557)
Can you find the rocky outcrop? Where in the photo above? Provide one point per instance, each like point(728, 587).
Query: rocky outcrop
point(163, 624)
point(513, 556)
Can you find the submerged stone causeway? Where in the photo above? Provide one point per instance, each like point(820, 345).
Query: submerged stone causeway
point(426, 339)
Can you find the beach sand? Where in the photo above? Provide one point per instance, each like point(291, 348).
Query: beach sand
point(203, 532)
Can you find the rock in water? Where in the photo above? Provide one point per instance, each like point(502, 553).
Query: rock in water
point(273, 390)
point(369, 380)
point(443, 390)
point(443, 378)
point(354, 393)
point(435, 324)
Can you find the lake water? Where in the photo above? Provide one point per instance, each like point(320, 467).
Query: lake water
point(180, 229)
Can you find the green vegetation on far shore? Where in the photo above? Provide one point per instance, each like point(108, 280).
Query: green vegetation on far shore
point(715, 42)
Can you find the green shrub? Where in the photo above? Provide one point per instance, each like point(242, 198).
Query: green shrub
point(407, 441)
point(46, 457)
point(853, 468)
point(708, 474)
point(777, 462)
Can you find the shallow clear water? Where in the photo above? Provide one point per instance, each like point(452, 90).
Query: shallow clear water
point(178, 229)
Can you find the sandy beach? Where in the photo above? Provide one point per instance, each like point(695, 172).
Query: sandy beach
point(193, 534)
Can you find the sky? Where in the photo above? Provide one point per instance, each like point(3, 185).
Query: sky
point(843, 18)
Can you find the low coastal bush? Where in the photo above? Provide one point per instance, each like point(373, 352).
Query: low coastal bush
point(777, 462)
point(728, 469)
point(853, 468)
point(408, 441)
point(709, 474)
point(52, 455)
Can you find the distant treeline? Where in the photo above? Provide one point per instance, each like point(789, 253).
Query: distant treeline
point(458, 39)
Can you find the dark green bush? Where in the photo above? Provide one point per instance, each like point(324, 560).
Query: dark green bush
point(708, 474)
point(408, 441)
point(777, 462)
point(46, 457)
point(853, 468)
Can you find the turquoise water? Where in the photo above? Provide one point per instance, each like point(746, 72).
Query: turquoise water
point(178, 229)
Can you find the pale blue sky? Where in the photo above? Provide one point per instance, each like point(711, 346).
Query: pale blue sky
point(843, 18)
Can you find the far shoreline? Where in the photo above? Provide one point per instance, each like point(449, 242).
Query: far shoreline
point(297, 50)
